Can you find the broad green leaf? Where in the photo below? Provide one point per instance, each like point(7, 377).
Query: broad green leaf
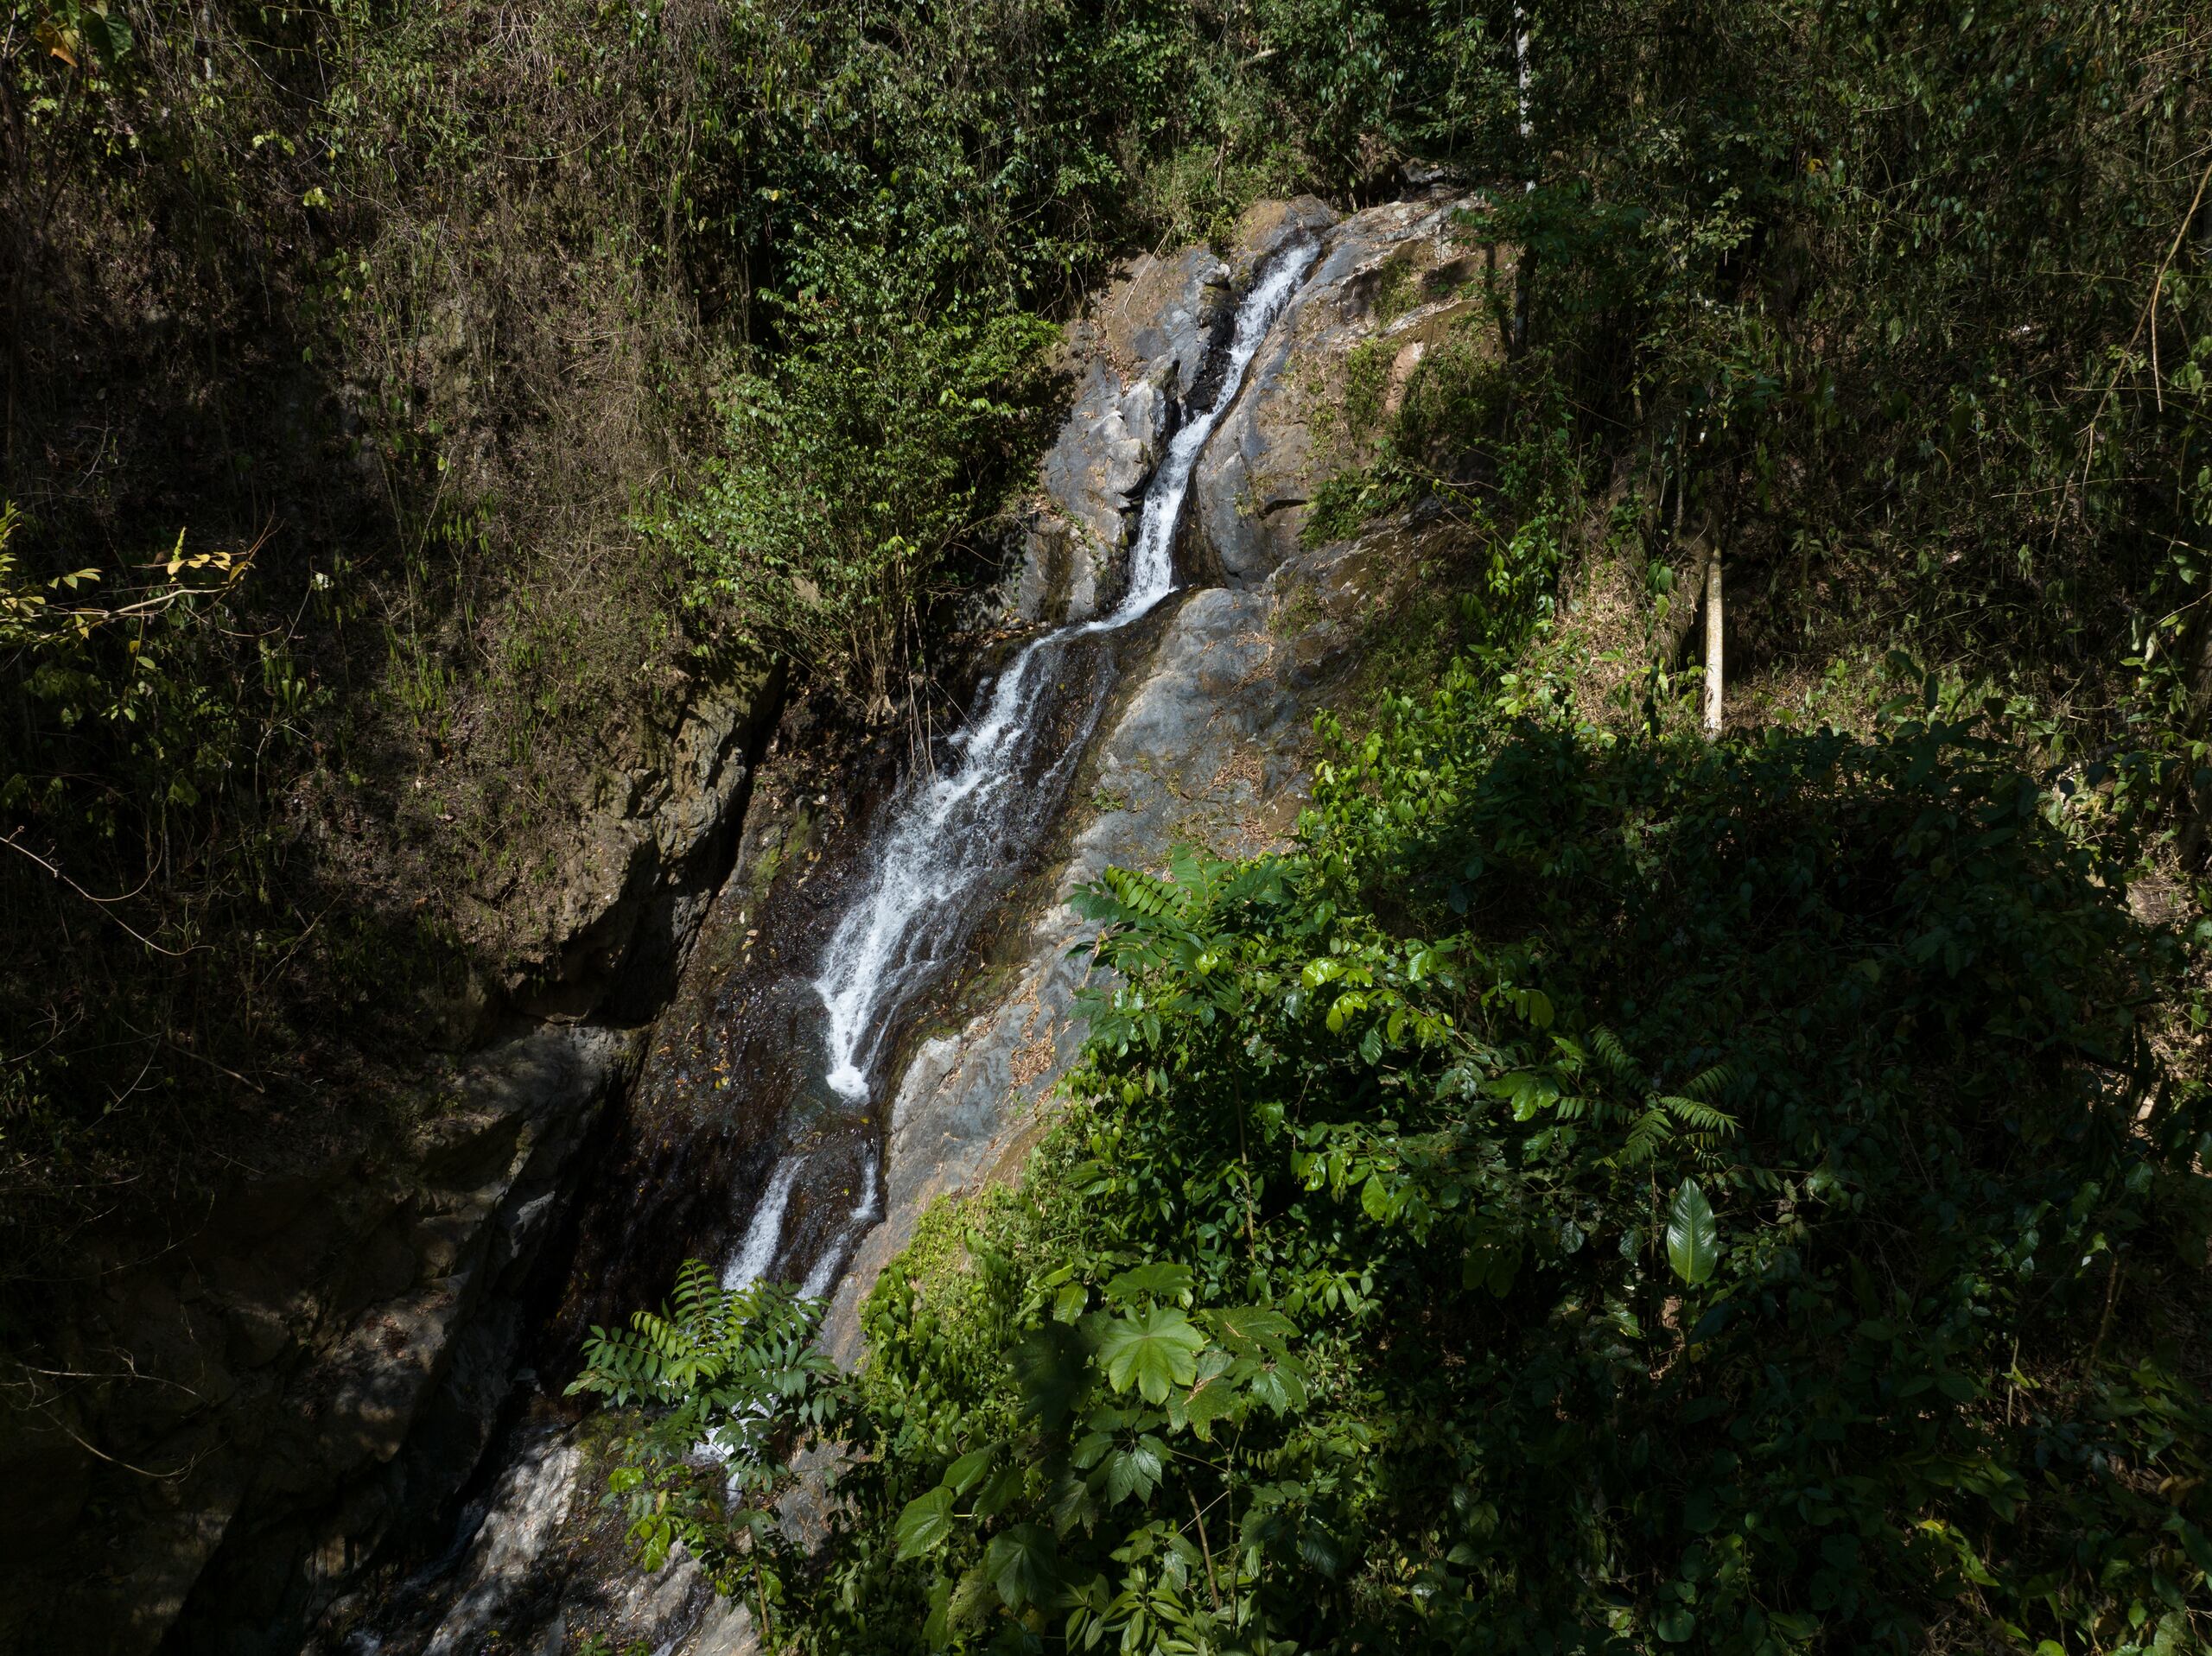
point(963, 1472)
point(1000, 1492)
point(1161, 1278)
point(1215, 1378)
point(1375, 1198)
point(1151, 1352)
point(1675, 1624)
point(1020, 1566)
point(1132, 1472)
point(1248, 1330)
point(1280, 1386)
point(925, 1524)
point(1213, 1400)
point(1492, 1265)
point(1693, 1235)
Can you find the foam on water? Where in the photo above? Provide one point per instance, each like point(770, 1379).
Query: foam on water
point(757, 1252)
point(942, 842)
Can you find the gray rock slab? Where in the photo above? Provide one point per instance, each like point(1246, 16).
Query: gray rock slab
point(1251, 489)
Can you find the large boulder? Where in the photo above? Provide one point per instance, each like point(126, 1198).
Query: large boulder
point(1401, 276)
point(1137, 357)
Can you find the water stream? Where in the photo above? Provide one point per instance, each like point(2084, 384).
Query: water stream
point(812, 1054)
point(953, 831)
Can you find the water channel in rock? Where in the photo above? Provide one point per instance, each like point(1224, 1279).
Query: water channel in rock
point(957, 835)
point(755, 1132)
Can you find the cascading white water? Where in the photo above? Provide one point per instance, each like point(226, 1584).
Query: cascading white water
point(766, 1232)
point(941, 843)
point(858, 1223)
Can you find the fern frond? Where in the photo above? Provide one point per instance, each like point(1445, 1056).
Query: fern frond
point(1703, 1116)
point(1709, 1084)
point(1652, 1129)
point(1616, 1057)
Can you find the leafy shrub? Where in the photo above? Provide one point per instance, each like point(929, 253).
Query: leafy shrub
point(730, 1381)
point(851, 479)
point(1717, 1195)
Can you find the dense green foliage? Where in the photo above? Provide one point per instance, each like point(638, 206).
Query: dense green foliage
point(1906, 307)
point(730, 1377)
point(1599, 1191)
point(483, 315)
point(1604, 1191)
point(549, 359)
point(1737, 1195)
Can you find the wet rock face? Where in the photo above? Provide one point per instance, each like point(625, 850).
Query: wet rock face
point(1209, 744)
point(619, 914)
point(1406, 273)
point(1205, 741)
point(316, 1362)
point(1141, 353)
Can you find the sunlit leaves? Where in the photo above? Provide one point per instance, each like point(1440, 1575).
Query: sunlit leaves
point(925, 1524)
point(1019, 1561)
point(1149, 1351)
point(731, 1380)
point(1693, 1235)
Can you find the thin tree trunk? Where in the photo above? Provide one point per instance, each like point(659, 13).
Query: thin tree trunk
point(1524, 264)
point(2196, 802)
point(1712, 643)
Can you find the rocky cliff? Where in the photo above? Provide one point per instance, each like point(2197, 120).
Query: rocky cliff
point(319, 1362)
point(1206, 741)
point(255, 1388)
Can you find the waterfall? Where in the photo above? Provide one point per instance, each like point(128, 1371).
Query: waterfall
point(941, 843)
point(953, 830)
point(950, 839)
point(756, 1254)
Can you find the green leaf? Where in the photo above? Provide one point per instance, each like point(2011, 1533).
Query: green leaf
point(1248, 1330)
point(963, 1472)
point(1132, 1472)
point(1693, 1235)
point(925, 1525)
point(1280, 1386)
point(1020, 1566)
point(1213, 1400)
point(1160, 1280)
point(1375, 1198)
point(1152, 1352)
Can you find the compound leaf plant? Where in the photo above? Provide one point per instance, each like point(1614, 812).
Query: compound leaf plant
point(1595, 1193)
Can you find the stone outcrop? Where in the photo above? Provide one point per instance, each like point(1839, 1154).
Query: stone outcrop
point(1138, 357)
point(1209, 740)
point(253, 1390)
point(1406, 274)
point(1209, 746)
point(319, 1359)
point(623, 907)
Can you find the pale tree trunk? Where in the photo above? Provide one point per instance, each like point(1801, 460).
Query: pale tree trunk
point(1712, 645)
point(1524, 261)
point(2196, 802)
point(1521, 74)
